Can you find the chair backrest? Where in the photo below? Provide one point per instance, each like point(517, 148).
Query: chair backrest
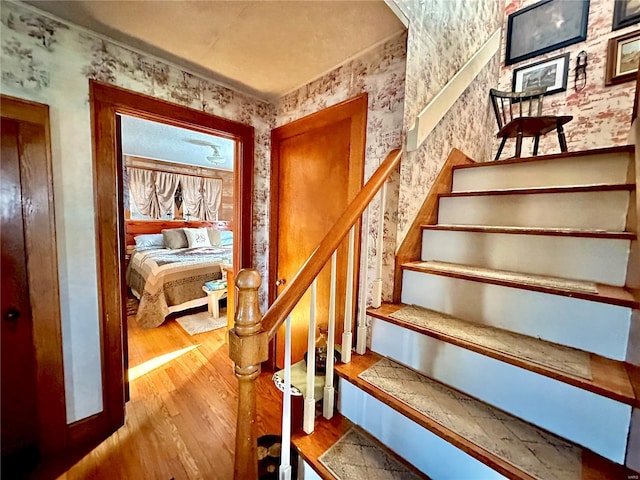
point(529, 104)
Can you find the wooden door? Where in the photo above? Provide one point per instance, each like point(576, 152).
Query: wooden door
point(317, 169)
point(19, 407)
point(33, 396)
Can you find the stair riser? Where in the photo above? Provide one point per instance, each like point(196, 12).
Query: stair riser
point(595, 259)
point(600, 424)
point(309, 473)
point(425, 450)
point(585, 210)
point(607, 169)
point(592, 326)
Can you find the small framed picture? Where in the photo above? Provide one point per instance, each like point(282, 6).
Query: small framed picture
point(625, 13)
point(551, 73)
point(623, 54)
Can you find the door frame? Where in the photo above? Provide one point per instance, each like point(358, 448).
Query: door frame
point(34, 143)
point(106, 103)
point(355, 108)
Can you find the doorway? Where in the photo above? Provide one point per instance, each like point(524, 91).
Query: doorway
point(33, 399)
point(317, 169)
point(108, 103)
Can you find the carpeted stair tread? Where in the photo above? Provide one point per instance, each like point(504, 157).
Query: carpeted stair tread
point(326, 435)
point(511, 446)
point(541, 283)
point(574, 154)
point(578, 368)
point(558, 232)
point(537, 190)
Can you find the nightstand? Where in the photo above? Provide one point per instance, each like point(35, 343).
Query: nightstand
point(214, 297)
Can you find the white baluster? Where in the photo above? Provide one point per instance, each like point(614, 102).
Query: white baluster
point(310, 401)
point(377, 283)
point(347, 336)
point(361, 332)
point(285, 461)
point(329, 394)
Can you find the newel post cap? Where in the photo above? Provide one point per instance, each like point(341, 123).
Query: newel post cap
point(248, 279)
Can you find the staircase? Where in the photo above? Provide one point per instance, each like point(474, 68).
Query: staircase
point(506, 357)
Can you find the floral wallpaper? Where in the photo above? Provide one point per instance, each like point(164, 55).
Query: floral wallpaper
point(50, 62)
point(443, 35)
point(379, 72)
point(601, 114)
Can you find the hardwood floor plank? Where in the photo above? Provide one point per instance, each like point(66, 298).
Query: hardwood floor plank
point(181, 419)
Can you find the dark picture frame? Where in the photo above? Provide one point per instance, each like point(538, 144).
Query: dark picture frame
point(623, 54)
point(544, 27)
point(550, 72)
point(625, 13)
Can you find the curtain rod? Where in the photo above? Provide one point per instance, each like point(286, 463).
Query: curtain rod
point(176, 173)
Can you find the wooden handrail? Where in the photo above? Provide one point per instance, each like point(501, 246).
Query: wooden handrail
point(292, 294)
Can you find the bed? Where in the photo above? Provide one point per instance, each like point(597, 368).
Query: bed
point(168, 278)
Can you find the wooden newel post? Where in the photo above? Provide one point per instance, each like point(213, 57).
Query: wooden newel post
point(248, 348)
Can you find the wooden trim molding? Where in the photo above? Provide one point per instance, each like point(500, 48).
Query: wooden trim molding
point(427, 215)
point(107, 103)
point(42, 266)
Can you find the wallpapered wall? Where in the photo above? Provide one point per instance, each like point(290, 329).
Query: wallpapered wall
point(50, 62)
point(443, 35)
point(601, 114)
point(379, 72)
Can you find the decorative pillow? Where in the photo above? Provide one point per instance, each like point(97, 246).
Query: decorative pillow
point(147, 241)
point(214, 236)
point(197, 237)
point(174, 238)
point(226, 238)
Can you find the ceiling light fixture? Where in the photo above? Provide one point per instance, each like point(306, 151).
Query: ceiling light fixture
point(216, 157)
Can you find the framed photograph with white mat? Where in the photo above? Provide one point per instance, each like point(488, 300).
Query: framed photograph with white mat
point(550, 72)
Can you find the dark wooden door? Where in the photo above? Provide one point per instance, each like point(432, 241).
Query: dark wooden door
point(317, 169)
point(19, 399)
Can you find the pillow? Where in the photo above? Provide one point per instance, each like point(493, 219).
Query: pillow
point(197, 237)
point(147, 241)
point(214, 236)
point(174, 238)
point(226, 238)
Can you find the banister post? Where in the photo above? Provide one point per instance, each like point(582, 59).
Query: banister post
point(248, 348)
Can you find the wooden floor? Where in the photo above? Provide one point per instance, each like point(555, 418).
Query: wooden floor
point(180, 421)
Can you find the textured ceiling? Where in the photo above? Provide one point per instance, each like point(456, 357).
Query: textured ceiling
point(143, 138)
point(266, 48)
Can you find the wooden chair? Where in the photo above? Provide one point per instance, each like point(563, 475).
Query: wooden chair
point(519, 115)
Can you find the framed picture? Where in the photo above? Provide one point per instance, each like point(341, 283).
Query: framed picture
point(625, 13)
point(551, 73)
point(545, 26)
point(623, 54)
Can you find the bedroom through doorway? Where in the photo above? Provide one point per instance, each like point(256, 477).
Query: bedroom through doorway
point(178, 203)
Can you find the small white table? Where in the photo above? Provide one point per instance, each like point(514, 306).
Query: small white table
point(214, 297)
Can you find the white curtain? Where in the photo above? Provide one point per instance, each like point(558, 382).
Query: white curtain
point(211, 198)
point(143, 190)
point(191, 195)
point(166, 185)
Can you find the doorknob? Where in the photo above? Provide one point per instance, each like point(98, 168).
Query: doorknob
point(282, 281)
point(12, 315)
